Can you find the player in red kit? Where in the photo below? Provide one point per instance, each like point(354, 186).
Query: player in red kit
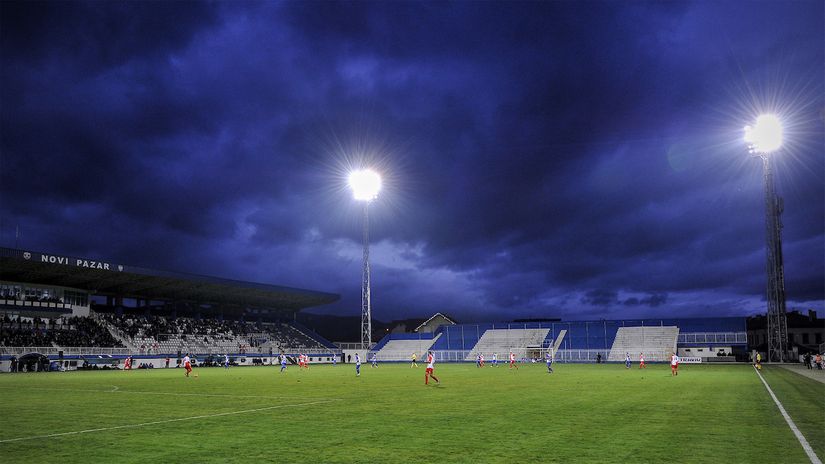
point(674, 365)
point(513, 360)
point(429, 372)
point(642, 361)
point(187, 364)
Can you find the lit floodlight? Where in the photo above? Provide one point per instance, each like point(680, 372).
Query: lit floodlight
point(365, 184)
point(766, 135)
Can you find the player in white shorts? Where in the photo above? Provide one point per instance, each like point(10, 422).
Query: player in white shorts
point(429, 372)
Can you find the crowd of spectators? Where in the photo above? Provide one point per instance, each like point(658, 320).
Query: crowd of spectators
point(156, 326)
point(63, 332)
point(146, 331)
point(141, 326)
point(245, 337)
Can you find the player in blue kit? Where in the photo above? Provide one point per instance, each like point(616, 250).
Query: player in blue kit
point(357, 365)
point(226, 361)
point(334, 358)
point(374, 360)
point(627, 360)
point(283, 362)
point(549, 358)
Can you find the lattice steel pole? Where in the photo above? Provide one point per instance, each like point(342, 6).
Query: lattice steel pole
point(775, 292)
point(366, 310)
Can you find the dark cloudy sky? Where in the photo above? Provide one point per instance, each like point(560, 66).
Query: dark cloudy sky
point(558, 159)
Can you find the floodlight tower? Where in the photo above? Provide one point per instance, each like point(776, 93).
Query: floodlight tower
point(763, 139)
point(365, 185)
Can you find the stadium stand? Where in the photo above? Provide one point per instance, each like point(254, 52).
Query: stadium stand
point(504, 341)
point(154, 334)
point(101, 312)
point(402, 348)
point(585, 341)
point(60, 333)
point(657, 343)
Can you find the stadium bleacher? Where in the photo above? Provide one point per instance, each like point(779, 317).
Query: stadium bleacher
point(402, 348)
point(505, 341)
point(58, 332)
point(156, 336)
point(581, 341)
point(657, 343)
point(153, 335)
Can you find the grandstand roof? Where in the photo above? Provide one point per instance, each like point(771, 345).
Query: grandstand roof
point(108, 278)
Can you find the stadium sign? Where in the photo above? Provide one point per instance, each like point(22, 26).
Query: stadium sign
point(690, 360)
point(75, 262)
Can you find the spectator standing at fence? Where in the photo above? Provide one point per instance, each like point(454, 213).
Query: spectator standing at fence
point(429, 371)
point(598, 358)
point(819, 361)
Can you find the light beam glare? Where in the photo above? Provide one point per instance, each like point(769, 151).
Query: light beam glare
point(766, 135)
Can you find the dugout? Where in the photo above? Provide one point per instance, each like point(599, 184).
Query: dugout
point(33, 362)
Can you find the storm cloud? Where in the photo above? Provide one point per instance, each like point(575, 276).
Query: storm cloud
point(554, 159)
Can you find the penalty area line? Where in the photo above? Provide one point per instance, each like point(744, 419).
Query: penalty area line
point(167, 421)
point(802, 441)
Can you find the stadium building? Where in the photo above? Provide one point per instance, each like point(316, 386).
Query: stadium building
point(82, 311)
point(76, 312)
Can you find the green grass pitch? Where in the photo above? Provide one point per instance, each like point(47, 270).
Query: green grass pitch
point(580, 413)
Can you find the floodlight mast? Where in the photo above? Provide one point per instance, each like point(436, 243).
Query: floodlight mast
point(365, 185)
point(763, 139)
point(366, 304)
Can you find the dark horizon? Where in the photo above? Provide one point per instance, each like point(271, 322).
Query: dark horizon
point(553, 159)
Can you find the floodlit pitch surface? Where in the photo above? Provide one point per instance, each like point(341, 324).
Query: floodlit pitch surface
point(581, 413)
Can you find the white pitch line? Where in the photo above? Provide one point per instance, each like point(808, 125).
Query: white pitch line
point(116, 389)
point(166, 421)
point(802, 441)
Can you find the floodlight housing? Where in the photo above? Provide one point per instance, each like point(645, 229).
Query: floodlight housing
point(365, 184)
point(765, 136)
